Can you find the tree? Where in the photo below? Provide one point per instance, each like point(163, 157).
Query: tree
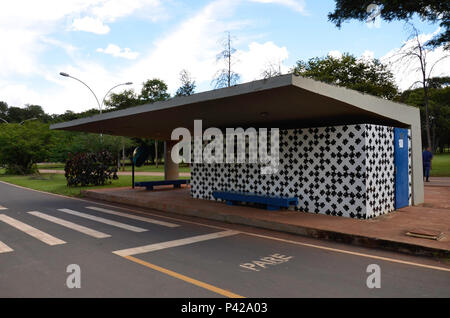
point(367, 76)
point(226, 77)
point(438, 110)
point(187, 87)
point(417, 54)
point(22, 146)
point(70, 115)
point(3, 110)
point(272, 70)
point(125, 99)
point(428, 10)
point(154, 90)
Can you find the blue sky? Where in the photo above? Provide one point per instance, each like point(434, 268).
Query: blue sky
point(106, 42)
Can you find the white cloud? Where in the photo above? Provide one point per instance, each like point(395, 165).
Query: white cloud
point(368, 55)
point(335, 53)
point(108, 11)
point(258, 57)
point(192, 45)
point(116, 51)
point(296, 5)
point(89, 24)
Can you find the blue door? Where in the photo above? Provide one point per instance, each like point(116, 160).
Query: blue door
point(401, 167)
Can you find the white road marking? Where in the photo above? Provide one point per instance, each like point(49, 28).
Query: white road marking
point(3, 208)
point(169, 244)
point(102, 220)
point(70, 225)
point(5, 248)
point(38, 234)
point(134, 217)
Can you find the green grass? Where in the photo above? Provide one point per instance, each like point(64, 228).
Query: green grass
point(56, 183)
point(440, 166)
point(149, 168)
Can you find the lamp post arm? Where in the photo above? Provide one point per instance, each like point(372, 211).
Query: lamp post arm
point(103, 100)
point(98, 103)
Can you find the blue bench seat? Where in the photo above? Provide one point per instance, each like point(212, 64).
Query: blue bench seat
point(272, 202)
point(150, 184)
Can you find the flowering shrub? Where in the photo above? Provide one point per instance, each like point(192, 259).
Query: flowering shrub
point(89, 168)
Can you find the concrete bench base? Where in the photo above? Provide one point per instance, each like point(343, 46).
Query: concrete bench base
point(150, 184)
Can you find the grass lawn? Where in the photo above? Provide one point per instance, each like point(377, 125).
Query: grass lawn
point(440, 166)
point(149, 168)
point(56, 183)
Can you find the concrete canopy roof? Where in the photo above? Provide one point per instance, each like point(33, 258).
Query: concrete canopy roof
point(286, 101)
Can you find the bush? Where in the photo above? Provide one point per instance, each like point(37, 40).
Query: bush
point(89, 168)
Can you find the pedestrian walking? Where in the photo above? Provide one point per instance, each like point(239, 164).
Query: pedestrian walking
point(427, 156)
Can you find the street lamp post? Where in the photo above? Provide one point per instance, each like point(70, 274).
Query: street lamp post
point(106, 95)
point(103, 100)
point(67, 75)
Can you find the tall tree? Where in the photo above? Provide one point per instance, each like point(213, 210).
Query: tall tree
point(416, 54)
point(226, 77)
point(153, 90)
point(367, 76)
point(187, 84)
point(438, 110)
point(428, 10)
point(125, 99)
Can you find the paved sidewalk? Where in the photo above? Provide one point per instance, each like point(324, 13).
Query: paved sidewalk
point(386, 232)
point(438, 182)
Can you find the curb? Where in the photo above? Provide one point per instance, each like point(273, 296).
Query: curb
point(358, 240)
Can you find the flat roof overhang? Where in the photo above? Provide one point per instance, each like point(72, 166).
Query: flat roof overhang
point(286, 101)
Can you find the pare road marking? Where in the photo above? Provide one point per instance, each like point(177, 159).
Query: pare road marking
point(265, 262)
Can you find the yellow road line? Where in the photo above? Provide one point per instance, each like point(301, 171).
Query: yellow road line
point(187, 279)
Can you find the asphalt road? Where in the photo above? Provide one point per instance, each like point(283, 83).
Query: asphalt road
point(160, 256)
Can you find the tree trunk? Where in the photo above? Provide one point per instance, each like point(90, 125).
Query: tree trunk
point(123, 155)
point(427, 117)
point(156, 153)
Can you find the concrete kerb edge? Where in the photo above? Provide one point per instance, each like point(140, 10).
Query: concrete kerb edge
point(363, 241)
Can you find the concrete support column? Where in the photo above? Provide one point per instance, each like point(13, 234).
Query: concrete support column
point(417, 168)
point(170, 167)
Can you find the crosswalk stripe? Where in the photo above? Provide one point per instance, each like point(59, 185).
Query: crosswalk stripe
point(3, 208)
point(73, 226)
point(102, 220)
point(37, 234)
point(175, 243)
point(134, 217)
point(5, 248)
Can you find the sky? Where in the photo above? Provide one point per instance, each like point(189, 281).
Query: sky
point(109, 42)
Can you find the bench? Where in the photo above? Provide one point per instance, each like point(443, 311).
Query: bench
point(272, 203)
point(150, 184)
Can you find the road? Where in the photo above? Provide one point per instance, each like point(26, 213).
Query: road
point(122, 252)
